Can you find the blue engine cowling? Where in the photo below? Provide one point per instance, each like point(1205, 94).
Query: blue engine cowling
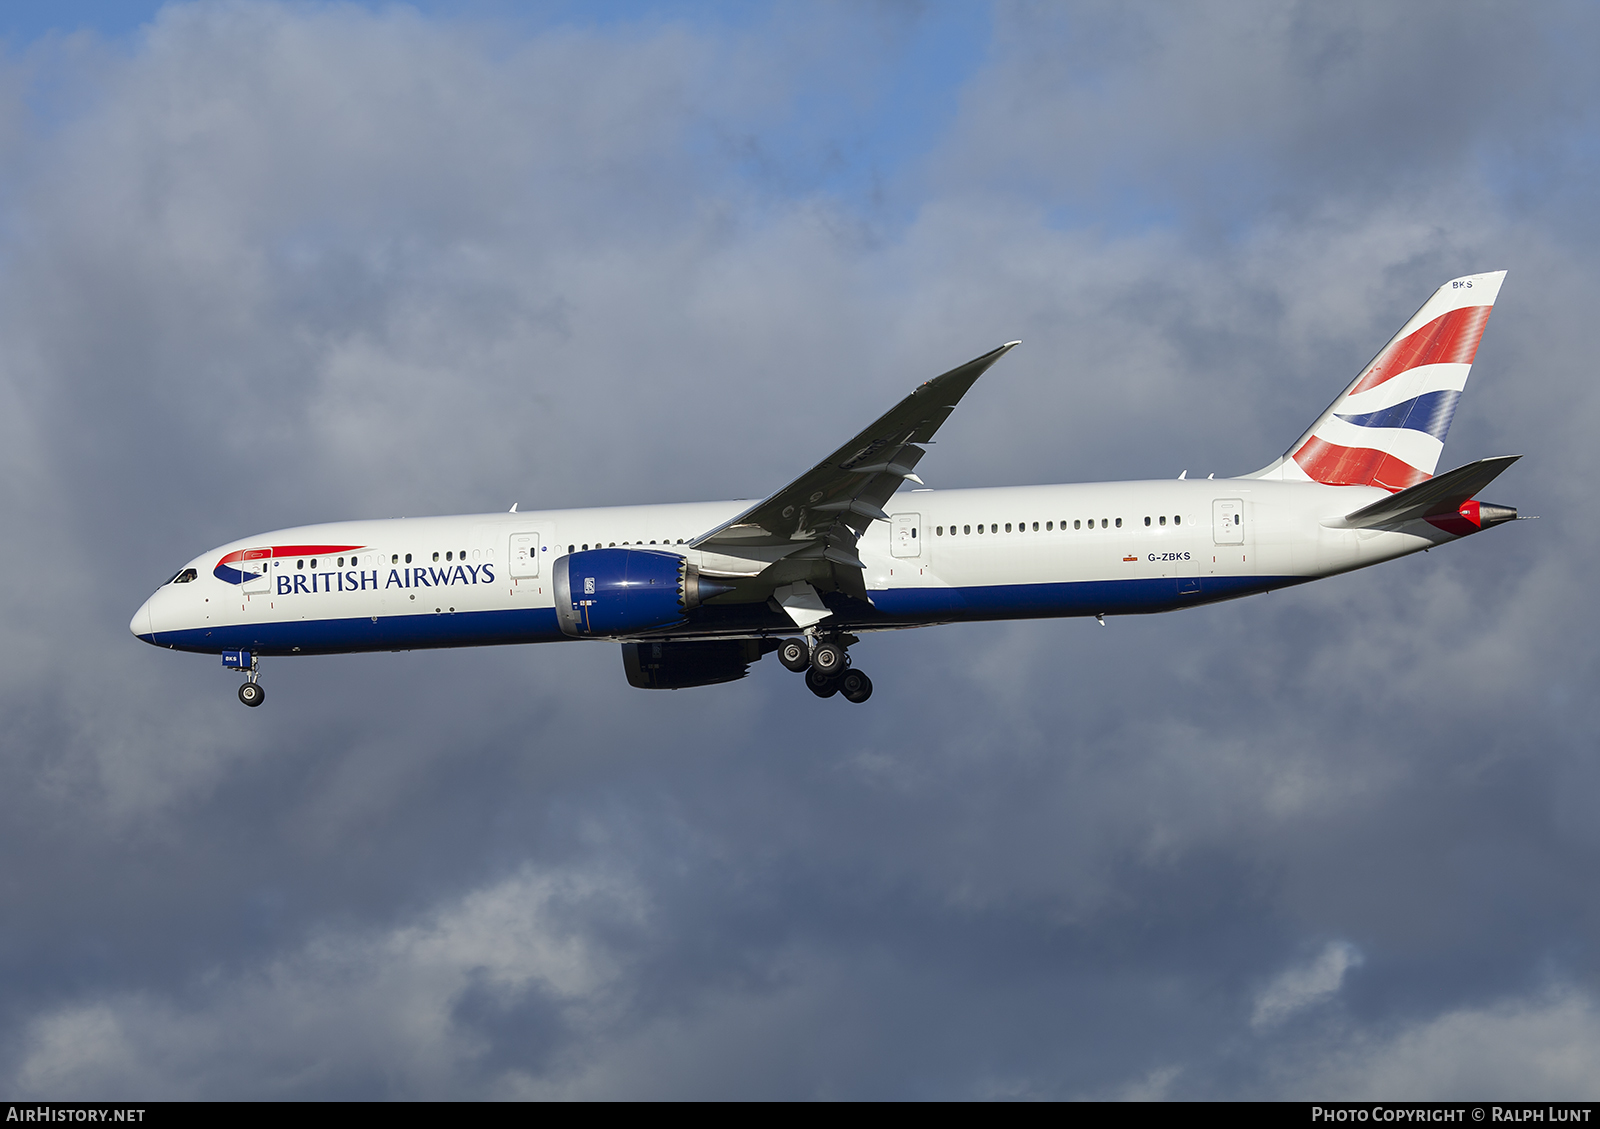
point(604, 593)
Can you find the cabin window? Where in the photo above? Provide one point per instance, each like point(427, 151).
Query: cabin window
point(1163, 519)
point(447, 556)
point(1236, 519)
point(1077, 525)
point(300, 563)
point(1147, 521)
point(613, 545)
point(1008, 527)
point(967, 529)
point(1036, 527)
point(1049, 525)
point(938, 531)
point(1177, 519)
point(436, 557)
point(994, 527)
point(408, 558)
point(571, 548)
point(913, 533)
point(980, 529)
point(394, 559)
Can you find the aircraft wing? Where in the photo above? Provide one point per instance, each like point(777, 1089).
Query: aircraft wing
point(1442, 494)
point(824, 512)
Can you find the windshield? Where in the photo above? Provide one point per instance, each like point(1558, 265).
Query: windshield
point(183, 577)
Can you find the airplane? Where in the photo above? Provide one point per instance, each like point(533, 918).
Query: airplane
point(695, 593)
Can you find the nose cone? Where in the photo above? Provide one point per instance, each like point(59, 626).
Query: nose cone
point(140, 623)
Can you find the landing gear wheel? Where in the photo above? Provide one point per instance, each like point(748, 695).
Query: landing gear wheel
point(822, 685)
point(855, 686)
point(251, 694)
point(829, 659)
point(794, 654)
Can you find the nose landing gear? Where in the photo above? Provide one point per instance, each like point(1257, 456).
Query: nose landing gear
point(826, 666)
point(251, 693)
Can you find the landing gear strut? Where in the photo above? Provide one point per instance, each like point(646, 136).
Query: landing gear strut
point(827, 668)
point(252, 693)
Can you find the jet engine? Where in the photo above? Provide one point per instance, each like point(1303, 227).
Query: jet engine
point(602, 593)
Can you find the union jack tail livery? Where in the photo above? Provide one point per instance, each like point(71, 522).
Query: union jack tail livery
point(1388, 427)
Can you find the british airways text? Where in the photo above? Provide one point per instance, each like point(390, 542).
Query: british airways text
point(357, 580)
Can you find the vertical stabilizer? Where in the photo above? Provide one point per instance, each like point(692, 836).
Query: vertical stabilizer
point(1388, 427)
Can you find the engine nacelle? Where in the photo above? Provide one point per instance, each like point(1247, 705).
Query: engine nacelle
point(603, 593)
point(702, 662)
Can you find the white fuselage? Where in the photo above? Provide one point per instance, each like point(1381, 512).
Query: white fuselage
point(1002, 553)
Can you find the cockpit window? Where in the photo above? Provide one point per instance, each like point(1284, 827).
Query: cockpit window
point(183, 577)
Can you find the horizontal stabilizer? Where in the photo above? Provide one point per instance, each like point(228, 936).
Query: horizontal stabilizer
point(1437, 496)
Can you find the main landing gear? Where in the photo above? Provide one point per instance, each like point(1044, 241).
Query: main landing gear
point(827, 668)
point(252, 693)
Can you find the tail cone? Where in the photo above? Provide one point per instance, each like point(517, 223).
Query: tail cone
point(1493, 515)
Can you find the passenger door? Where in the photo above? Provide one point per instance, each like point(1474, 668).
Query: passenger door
point(524, 556)
point(1227, 521)
point(1230, 547)
point(256, 564)
point(904, 541)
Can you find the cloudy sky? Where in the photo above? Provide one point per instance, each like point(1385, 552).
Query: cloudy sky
point(264, 264)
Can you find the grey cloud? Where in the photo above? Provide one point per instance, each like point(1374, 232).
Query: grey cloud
point(283, 264)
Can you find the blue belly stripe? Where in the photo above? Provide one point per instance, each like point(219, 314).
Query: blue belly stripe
point(362, 633)
point(891, 607)
point(1077, 598)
